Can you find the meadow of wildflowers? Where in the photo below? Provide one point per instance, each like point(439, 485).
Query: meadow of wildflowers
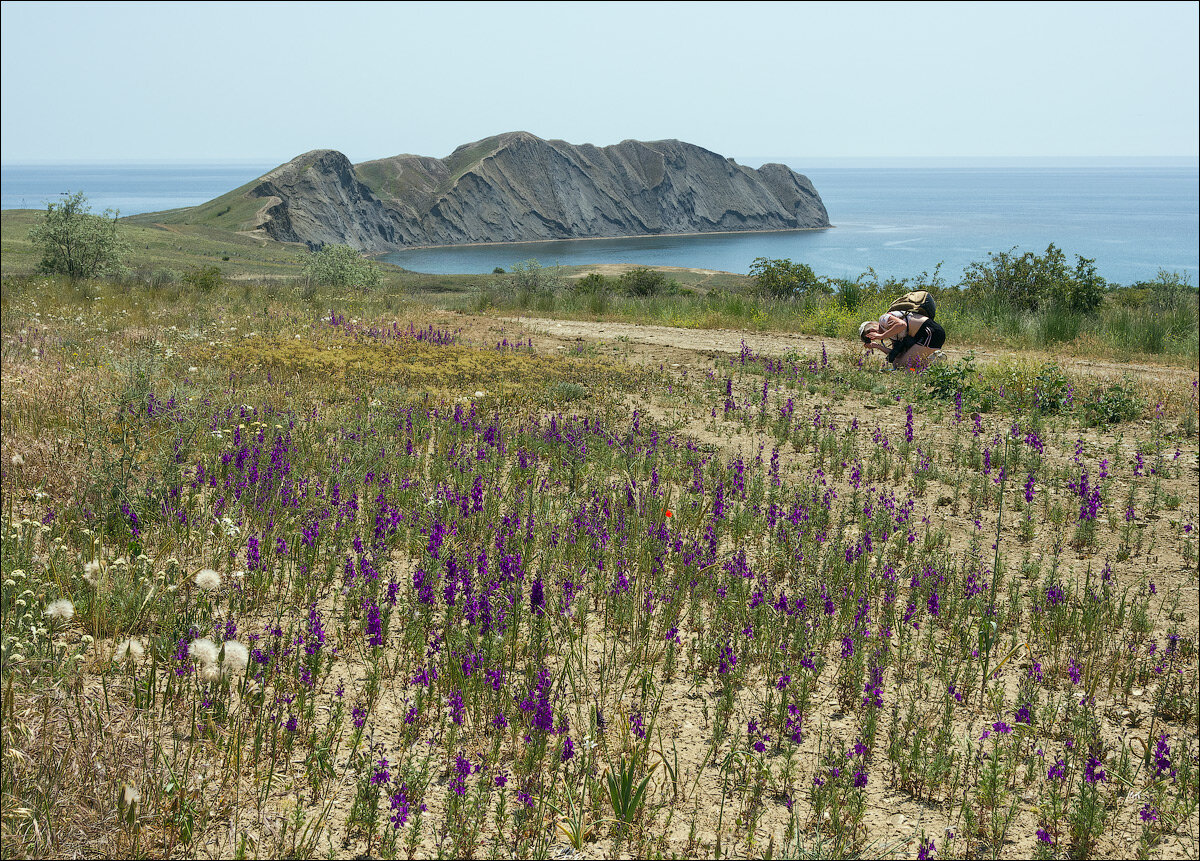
point(288, 579)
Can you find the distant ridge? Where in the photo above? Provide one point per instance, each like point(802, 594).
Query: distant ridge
point(513, 187)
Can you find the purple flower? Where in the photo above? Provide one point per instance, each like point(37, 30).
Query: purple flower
point(381, 775)
point(1023, 715)
point(462, 770)
point(1148, 813)
point(727, 660)
point(457, 709)
point(1058, 771)
point(568, 748)
point(1043, 836)
point(637, 724)
point(1092, 772)
point(1162, 758)
point(400, 806)
point(926, 850)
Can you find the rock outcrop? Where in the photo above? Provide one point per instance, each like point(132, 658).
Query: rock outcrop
point(517, 187)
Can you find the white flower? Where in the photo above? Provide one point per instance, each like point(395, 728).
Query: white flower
point(132, 649)
point(17, 460)
point(208, 579)
point(61, 610)
point(480, 394)
point(193, 370)
point(91, 572)
point(236, 658)
point(204, 651)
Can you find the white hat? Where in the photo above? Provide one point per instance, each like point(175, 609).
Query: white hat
point(862, 330)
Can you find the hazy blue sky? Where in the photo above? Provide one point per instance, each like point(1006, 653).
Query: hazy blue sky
point(267, 81)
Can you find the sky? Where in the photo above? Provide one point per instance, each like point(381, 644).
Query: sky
point(263, 82)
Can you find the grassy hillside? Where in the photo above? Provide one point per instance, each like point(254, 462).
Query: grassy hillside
point(231, 211)
point(167, 245)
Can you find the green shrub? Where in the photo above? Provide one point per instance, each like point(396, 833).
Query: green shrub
point(1112, 404)
point(944, 380)
point(1052, 391)
point(642, 282)
point(75, 242)
point(340, 266)
point(784, 279)
point(592, 283)
point(1031, 281)
point(204, 279)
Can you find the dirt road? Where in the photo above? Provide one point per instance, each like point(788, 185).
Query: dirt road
point(709, 342)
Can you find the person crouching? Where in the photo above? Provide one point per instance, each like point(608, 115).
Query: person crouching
point(914, 339)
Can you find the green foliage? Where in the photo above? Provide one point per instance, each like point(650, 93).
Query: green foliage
point(592, 283)
point(530, 276)
point(643, 282)
point(75, 242)
point(340, 266)
point(944, 380)
point(1052, 390)
point(784, 279)
point(1112, 404)
point(626, 793)
point(204, 279)
point(1030, 282)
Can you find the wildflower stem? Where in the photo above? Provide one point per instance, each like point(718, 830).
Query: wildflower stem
point(989, 635)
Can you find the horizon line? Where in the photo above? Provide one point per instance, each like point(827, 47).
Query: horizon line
point(761, 158)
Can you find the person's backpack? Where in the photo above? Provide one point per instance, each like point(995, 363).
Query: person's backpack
point(920, 301)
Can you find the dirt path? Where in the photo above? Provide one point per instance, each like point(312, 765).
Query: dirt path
point(710, 342)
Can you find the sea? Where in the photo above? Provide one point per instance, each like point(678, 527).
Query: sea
point(898, 219)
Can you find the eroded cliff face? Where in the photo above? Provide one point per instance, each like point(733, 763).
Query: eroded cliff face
point(517, 187)
point(316, 198)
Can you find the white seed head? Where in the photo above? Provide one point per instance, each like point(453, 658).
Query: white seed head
point(131, 649)
point(203, 651)
point(208, 579)
point(237, 656)
point(17, 460)
point(61, 610)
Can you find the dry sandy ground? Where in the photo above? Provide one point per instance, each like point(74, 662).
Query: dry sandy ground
point(710, 342)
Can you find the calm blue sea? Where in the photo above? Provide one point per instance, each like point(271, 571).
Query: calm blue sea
point(898, 220)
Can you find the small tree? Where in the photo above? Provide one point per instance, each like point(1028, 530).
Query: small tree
point(75, 242)
point(784, 279)
point(530, 276)
point(340, 266)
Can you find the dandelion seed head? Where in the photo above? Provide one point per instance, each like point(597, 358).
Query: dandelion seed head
point(203, 651)
point(237, 656)
point(91, 572)
point(61, 610)
point(208, 579)
point(210, 673)
point(17, 460)
point(131, 649)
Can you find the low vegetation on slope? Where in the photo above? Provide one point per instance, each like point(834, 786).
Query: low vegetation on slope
point(310, 572)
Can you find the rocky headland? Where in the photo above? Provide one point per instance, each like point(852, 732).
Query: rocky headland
point(514, 187)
